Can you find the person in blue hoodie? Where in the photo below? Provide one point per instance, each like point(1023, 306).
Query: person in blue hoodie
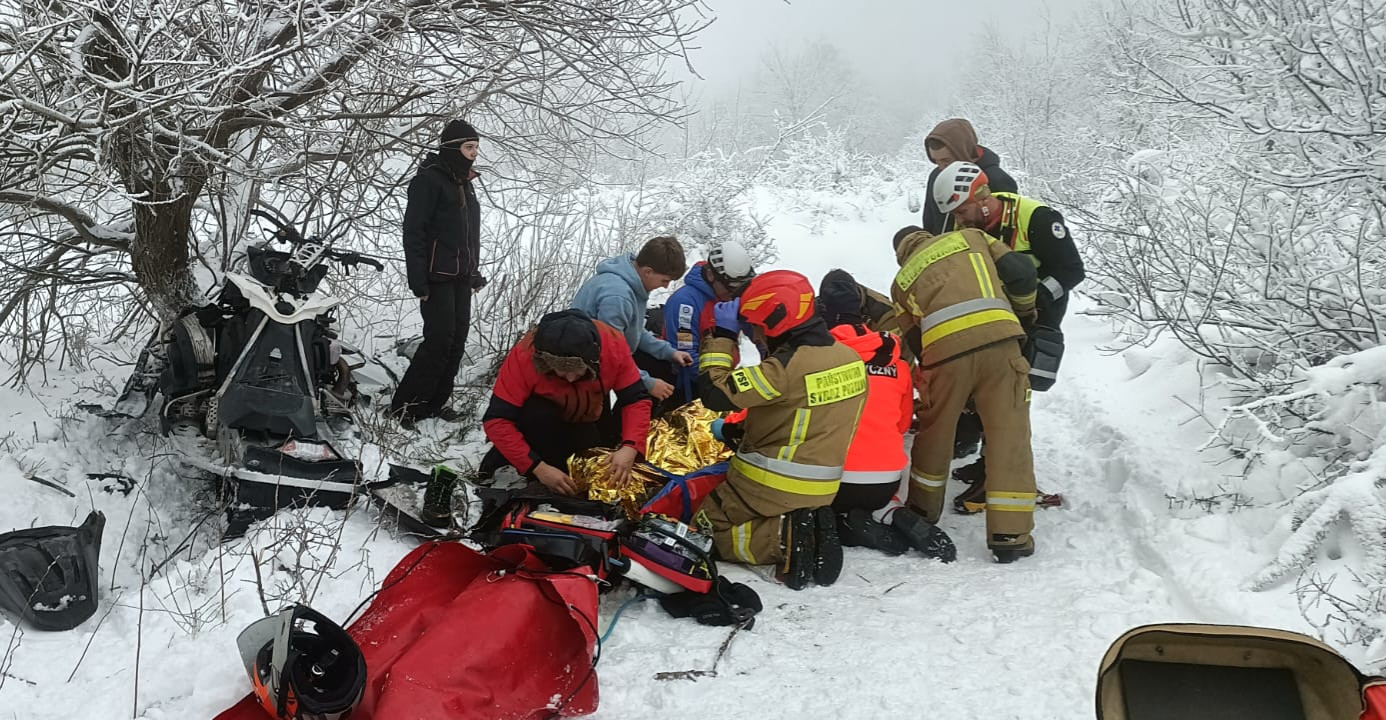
point(617, 295)
point(688, 312)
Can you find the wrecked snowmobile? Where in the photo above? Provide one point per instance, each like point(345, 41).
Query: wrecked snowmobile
point(261, 373)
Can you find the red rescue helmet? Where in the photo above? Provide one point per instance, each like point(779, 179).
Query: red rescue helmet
point(777, 301)
point(303, 666)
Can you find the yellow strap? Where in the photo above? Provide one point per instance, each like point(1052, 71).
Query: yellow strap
point(966, 322)
point(784, 483)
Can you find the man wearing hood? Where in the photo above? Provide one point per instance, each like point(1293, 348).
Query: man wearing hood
point(955, 140)
point(617, 296)
point(688, 313)
point(442, 255)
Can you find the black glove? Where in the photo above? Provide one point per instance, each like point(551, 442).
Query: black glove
point(728, 604)
point(478, 281)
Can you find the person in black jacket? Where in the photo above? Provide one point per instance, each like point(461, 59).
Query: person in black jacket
point(442, 254)
point(950, 141)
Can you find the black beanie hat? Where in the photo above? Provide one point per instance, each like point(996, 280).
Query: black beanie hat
point(839, 298)
point(905, 232)
point(569, 333)
point(457, 132)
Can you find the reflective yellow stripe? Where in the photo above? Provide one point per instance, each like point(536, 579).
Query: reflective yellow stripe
point(785, 483)
point(928, 482)
point(796, 434)
point(1011, 501)
point(979, 266)
point(940, 248)
point(761, 385)
point(966, 322)
point(741, 543)
point(714, 359)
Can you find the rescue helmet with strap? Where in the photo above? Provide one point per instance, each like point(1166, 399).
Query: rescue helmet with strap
point(731, 264)
point(777, 301)
point(956, 184)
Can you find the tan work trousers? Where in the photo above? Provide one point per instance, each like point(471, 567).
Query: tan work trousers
point(746, 519)
point(997, 378)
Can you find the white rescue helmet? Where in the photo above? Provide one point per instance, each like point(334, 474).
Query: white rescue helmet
point(731, 264)
point(956, 184)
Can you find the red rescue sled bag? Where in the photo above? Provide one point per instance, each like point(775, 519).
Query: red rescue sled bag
point(455, 634)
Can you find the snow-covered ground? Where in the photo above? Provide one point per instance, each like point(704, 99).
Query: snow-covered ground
point(894, 636)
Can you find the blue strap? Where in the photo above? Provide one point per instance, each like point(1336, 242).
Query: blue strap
point(638, 597)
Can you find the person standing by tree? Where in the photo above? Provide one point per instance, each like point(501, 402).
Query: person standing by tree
point(442, 256)
point(954, 140)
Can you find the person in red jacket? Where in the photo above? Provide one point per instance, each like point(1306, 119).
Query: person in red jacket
point(550, 401)
point(876, 460)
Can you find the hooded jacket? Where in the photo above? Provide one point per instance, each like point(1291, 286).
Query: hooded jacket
point(616, 296)
point(442, 226)
point(877, 454)
point(960, 292)
point(583, 402)
point(957, 135)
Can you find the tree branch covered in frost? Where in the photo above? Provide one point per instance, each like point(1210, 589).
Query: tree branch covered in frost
point(149, 129)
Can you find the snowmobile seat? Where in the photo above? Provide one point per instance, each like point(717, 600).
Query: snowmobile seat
point(48, 575)
point(1227, 672)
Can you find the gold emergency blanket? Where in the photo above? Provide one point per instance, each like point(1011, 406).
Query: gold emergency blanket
point(680, 442)
point(591, 470)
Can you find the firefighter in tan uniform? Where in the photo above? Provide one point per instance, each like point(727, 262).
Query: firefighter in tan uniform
point(803, 402)
point(964, 296)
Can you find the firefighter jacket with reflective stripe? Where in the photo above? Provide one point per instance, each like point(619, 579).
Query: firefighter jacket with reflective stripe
point(959, 292)
point(1031, 227)
point(877, 454)
point(802, 403)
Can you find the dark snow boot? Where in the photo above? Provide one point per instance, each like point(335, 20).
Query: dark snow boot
point(827, 546)
point(972, 500)
point(856, 528)
point(800, 558)
point(1009, 548)
point(437, 502)
point(924, 536)
point(972, 473)
point(968, 436)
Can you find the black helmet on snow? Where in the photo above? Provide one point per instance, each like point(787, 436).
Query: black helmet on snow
point(48, 574)
point(303, 666)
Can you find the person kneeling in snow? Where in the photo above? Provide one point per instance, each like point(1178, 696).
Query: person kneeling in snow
point(876, 460)
point(802, 402)
point(550, 401)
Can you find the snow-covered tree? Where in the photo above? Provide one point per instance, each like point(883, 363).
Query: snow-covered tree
point(129, 127)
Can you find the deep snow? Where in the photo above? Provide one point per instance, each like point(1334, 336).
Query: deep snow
point(894, 636)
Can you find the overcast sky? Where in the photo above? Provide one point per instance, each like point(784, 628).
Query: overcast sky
point(904, 44)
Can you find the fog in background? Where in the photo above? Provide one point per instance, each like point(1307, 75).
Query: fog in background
point(896, 62)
